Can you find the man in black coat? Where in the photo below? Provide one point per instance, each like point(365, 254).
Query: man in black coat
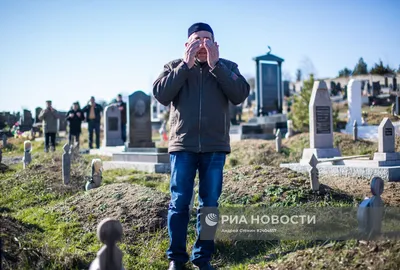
point(75, 117)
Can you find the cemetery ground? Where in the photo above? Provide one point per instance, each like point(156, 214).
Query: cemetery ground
point(48, 225)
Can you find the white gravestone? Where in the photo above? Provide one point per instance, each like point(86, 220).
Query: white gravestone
point(354, 102)
point(112, 126)
point(321, 125)
point(27, 154)
point(386, 142)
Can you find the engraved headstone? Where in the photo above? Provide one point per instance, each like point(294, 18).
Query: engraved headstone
point(386, 136)
point(321, 125)
point(26, 121)
point(27, 154)
point(355, 131)
point(96, 177)
point(109, 257)
point(354, 103)
point(278, 141)
point(370, 211)
point(313, 172)
point(63, 123)
point(139, 121)
point(112, 126)
point(66, 164)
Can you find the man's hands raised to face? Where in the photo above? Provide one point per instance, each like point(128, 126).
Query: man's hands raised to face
point(190, 52)
point(212, 52)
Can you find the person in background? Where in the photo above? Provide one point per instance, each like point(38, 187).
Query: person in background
point(93, 113)
point(75, 117)
point(122, 107)
point(49, 117)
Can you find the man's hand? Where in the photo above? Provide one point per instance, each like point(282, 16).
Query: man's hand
point(78, 114)
point(190, 52)
point(212, 52)
point(71, 115)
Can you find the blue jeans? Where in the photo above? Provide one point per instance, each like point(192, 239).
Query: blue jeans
point(93, 125)
point(183, 172)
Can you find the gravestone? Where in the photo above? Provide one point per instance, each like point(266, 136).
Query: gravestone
point(370, 211)
point(63, 123)
point(112, 126)
point(26, 121)
point(386, 136)
point(289, 132)
point(109, 257)
point(376, 89)
point(313, 172)
point(321, 125)
point(139, 121)
point(354, 103)
point(27, 154)
point(37, 112)
point(278, 141)
point(66, 164)
point(95, 180)
point(268, 83)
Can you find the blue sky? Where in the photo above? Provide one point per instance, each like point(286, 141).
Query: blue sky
point(69, 50)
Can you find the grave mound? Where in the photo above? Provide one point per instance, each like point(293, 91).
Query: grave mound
point(273, 186)
point(140, 209)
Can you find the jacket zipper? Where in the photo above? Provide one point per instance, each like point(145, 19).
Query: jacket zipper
point(201, 88)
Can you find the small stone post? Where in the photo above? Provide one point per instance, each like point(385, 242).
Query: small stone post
point(278, 141)
point(109, 257)
point(27, 153)
point(4, 138)
point(289, 132)
point(66, 164)
point(314, 173)
point(355, 131)
point(370, 211)
point(96, 178)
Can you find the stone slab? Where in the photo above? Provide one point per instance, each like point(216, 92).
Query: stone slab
point(107, 151)
point(140, 166)
point(388, 174)
point(148, 150)
point(319, 153)
point(387, 156)
point(141, 157)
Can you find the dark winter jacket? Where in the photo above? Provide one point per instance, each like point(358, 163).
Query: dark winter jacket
point(199, 116)
point(98, 109)
point(75, 121)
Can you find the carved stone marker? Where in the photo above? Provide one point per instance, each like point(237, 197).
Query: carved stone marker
point(386, 136)
point(66, 164)
point(355, 131)
point(96, 178)
point(112, 126)
point(27, 153)
point(321, 125)
point(139, 121)
point(314, 173)
point(370, 211)
point(109, 257)
point(289, 132)
point(278, 141)
point(354, 102)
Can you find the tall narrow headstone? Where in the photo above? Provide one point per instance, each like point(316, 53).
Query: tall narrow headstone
point(37, 112)
point(321, 125)
point(355, 131)
point(278, 141)
point(313, 172)
point(109, 257)
point(139, 121)
point(354, 103)
point(66, 164)
point(112, 126)
point(27, 153)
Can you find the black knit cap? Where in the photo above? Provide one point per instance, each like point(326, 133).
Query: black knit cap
point(199, 27)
